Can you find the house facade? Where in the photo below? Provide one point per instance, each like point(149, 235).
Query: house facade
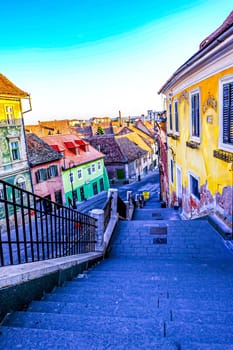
point(45, 164)
point(83, 170)
point(124, 159)
point(199, 98)
point(14, 167)
point(143, 143)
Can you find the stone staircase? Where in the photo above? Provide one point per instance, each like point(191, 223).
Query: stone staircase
point(166, 285)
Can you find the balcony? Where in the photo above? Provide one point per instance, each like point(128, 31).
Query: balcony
point(223, 155)
point(11, 122)
point(192, 144)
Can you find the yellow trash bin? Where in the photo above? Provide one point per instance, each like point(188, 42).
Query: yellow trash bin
point(146, 195)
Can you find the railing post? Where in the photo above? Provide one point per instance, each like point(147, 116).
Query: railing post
point(98, 214)
point(114, 193)
point(129, 205)
point(129, 196)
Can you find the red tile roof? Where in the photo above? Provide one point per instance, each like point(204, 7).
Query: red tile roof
point(82, 157)
point(39, 152)
point(10, 89)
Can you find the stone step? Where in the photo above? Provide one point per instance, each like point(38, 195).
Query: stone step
point(171, 290)
point(149, 212)
point(166, 281)
point(157, 291)
point(118, 309)
point(143, 268)
point(184, 240)
point(207, 317)
point(193, 332)
point(85, 323)
point(197, 305)
point(187, 345)
point(12, 338)
point(64, 295)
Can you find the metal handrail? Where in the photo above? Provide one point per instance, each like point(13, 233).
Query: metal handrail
point(121, 208)
point(107, 211)
point(33, 228)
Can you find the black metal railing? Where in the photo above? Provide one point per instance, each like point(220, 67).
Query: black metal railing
point(33, 228)
point(107, 211)
point(121, 208)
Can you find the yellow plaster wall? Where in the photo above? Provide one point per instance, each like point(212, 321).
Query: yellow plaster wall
point(201, 161)
point(16, 104)
point(138, 140)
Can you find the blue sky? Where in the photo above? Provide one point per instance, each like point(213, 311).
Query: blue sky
point(85, 58)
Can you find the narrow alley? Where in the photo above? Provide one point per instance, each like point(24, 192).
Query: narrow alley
point(166, 284)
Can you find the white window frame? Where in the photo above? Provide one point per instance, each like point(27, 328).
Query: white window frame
point(9, 110)
point(176, 119)
point(13, 149)
point(178, 168)
point(224, 146)
point(20, 182)
point(171, 170)
point(99, 165)
point(89, 170)
point(194, 137)
point(93, 168)
point(170, 116)
point(191, 174)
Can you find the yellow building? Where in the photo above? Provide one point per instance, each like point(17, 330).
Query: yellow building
point(148, 159)
point(199, 99)
point(14, 102)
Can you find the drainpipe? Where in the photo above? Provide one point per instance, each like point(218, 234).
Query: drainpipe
point(24, 132)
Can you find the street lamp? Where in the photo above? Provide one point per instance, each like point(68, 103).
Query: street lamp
point(71, 176)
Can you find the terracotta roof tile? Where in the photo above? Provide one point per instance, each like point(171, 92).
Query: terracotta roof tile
point(10, 89)
point(81, 157)
point(108, 145)
point(39, 152)
point(130, 149)
point(117, 150)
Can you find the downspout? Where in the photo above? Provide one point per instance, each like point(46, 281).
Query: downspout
point(24, 131)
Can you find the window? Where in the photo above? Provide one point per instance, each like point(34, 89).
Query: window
point(1, 191)
point(95, 188)
point(194, 185)
point(176, 117)
point(41, 175)
point(101, 184)
point(52, 171)
point(170, 117)
point(89, 170)
point(195, 115)
point(15, 150)
point(21, 183)
point(93, 168)
point(10, 115)
point(99, 165)
point(58, 197)
point(172, 170)
point(79, 173)
point(226, 113)
point(82, 195)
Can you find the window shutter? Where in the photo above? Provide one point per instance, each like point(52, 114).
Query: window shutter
point(197, 116)
point(37, 176)
point(170, 116)
point(226, 112)
point(193, 114)
point(231, 115)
